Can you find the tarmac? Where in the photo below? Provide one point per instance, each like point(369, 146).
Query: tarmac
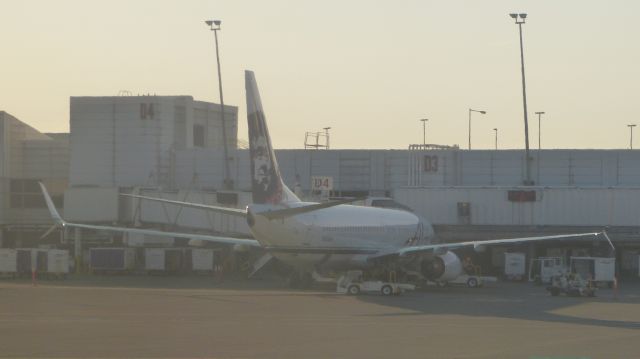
point(197, 317)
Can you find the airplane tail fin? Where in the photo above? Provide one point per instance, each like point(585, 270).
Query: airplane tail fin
point(52, 208)
point(267, 184)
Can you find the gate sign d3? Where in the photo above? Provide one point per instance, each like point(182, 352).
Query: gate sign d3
point(321, 183)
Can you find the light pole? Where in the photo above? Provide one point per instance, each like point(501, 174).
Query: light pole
point(424, 131)
point(228, 183)
point(472, 110)
point(520, 19)
point(631, 133)
point(326, 133)
point(539, 116)
point(496, 132)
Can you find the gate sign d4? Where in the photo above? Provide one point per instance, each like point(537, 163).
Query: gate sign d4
point(321, 183)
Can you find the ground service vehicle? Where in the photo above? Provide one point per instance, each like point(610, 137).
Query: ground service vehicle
point(543, 269)
point(572, 285)
point(354, 283)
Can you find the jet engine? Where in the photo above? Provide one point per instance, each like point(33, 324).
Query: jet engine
point(442, 267)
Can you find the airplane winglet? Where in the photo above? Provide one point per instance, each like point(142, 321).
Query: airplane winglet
point(52, 208)
point(604, 233)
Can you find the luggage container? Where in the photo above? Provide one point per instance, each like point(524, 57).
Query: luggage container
point(8, 262)
point(514, 266)
point(154, 259)
point(165, 260)
point(201, 260)
point(23, 265)
point(112, 260)
point(41, 258)
point(173, 260)
point(57, 262)
point(30, 260)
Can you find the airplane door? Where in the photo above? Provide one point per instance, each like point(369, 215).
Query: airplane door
point(310, 230)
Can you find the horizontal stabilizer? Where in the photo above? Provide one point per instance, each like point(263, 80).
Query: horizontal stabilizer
point(224, 210)
point(150, 232)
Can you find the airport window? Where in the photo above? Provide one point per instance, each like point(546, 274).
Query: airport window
point(21, 185)
point(33, 201)
point(16, 201)
point(354, 193)
point(26, 193)
point(146, 111)
point(521, 196)
point(227, 198)
point(464, 209)
point(198, 135)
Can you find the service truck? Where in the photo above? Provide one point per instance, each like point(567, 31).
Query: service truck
point(353, 283)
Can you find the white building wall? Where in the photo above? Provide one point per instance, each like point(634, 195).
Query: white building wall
point(132, 141)
point(570, 206)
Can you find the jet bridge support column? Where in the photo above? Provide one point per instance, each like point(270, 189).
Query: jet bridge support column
point(78, 249)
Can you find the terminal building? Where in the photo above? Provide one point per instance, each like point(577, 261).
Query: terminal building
point(173, 146)
point(26, 157)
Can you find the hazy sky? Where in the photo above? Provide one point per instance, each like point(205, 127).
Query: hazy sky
point(369, 69)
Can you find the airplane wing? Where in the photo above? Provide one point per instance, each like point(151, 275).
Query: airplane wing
point(223, 210)
point(203, 237)
point(476, 244)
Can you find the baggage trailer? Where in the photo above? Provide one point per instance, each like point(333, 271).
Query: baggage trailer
point(163, 260)
point(31, 260)
point(202, 260)
point(112, 260)
point(469, 280)
point(8, 262)
point(515, 266)
point(600, 270)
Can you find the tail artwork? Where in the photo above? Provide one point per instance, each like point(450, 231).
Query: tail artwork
point(267, 184)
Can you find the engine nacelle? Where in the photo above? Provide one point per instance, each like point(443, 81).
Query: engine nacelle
point(442, 267)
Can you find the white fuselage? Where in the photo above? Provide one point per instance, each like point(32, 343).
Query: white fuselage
point(343, 235)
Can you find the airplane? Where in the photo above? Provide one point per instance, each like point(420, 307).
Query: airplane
point(331, 236)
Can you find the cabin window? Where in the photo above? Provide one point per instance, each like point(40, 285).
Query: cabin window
point(198, 136)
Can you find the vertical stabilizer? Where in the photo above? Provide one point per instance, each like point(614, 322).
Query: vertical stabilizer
point(267, 184)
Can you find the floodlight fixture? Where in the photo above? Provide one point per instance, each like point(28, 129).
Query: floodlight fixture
point(211, 23)
point(472, 110)
point(523, 16)
point(424, 131)
point(514, 15)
